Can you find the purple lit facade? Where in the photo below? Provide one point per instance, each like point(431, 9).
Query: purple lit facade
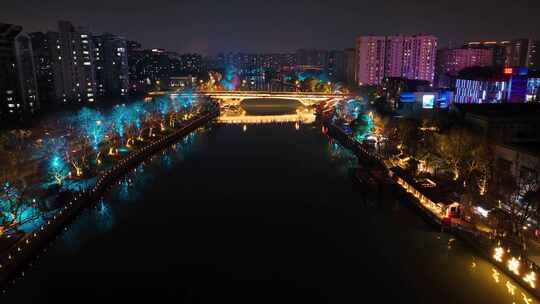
point(410, 57)
point(451, 61)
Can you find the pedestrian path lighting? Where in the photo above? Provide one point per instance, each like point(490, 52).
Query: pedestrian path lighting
point(498, 255)
point(513, 265)
point(530, 278)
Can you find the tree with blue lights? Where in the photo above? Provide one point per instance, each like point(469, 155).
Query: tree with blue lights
point(58, 167)
point(92, 125)
point(162, 107)
point(119, 119)
point(16, 208)
point(133, 122)
point(230, 80)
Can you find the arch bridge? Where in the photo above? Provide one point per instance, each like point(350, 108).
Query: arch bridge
point(236, 97)
point(307, 99)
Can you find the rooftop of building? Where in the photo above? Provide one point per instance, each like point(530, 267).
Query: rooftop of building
point(501, 110)
point(531, 148)
point(492, 74)
point(534, 73)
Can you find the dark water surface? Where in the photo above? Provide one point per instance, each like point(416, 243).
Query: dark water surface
point(268, 215)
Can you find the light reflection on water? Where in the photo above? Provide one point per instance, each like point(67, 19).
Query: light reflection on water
point(104, 216)
point(447, 260)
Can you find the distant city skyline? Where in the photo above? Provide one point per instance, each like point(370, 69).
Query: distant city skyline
point(210, 27)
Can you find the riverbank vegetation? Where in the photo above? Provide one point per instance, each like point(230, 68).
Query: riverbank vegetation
point(68, 159)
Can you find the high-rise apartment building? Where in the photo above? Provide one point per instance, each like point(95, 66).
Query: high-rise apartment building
point(111, 65)
point(451, 61)
point(78, 63)
point(47, 50)
point(74, 65)
point(371, 59)
point(514, 53)
point(350, 64)
point(27, 73)
point(18, 84)
point(335, 65)
point(312, 57)
point(410, 57)
point(255, 64)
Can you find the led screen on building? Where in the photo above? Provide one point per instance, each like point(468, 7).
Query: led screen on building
point(428, 101)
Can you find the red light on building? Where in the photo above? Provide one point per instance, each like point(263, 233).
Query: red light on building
point(508, 71)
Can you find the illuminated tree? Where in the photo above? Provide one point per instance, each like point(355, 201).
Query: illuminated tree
point(465, 152)
point(58, 168)
point(410, 136)
point(16, 208)
point(520, 197)
point(310, 84)
point(230, 79)
point(133, 120)
point(119, 120)
point(92, 125)
point(361, 127)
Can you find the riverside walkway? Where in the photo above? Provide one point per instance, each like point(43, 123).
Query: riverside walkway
point(521, 269)
point(14, 260)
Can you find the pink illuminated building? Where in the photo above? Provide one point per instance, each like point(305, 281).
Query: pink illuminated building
point(454, 60)
point(411, 57)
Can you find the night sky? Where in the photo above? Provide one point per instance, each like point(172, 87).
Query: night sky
point(211, 26)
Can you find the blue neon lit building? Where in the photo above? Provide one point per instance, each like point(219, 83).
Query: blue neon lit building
point(507, 85)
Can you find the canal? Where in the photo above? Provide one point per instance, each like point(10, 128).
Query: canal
point(261, 213)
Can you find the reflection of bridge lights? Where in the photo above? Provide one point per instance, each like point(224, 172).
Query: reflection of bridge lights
point(526, 299)
point(511, 288)
point(496, 275)
point(297, 125)
point(259, 119)
point(244, 128)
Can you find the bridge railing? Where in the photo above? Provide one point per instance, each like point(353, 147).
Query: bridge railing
point(253, 93)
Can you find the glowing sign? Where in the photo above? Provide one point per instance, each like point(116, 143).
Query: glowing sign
point(407, 97)
point(428, 101)
point(508, 71)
